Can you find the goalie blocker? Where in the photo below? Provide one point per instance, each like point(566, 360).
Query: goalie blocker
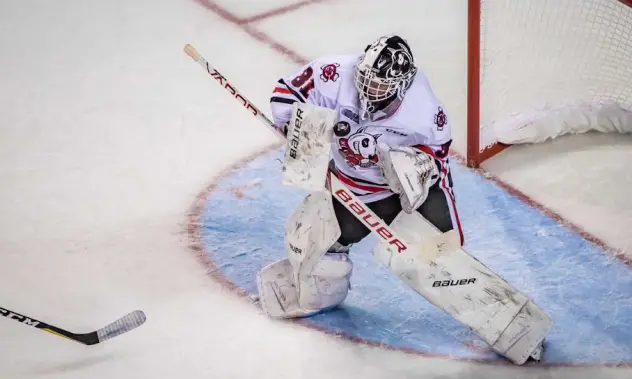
point(428, 257)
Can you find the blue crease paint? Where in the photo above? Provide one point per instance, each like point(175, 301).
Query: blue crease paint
point(587, 293)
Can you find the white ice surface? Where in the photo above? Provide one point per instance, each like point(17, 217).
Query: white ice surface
point(107, 134)
point(248, 8)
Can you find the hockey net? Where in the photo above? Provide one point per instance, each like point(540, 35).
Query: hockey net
point(539, 69)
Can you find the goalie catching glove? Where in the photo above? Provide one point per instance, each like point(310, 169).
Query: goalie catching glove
point(408, 173)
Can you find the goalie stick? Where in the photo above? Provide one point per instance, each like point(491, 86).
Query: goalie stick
point(193, 53)
point(123, 325)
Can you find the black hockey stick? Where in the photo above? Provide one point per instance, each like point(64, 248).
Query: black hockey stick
point(123, 325)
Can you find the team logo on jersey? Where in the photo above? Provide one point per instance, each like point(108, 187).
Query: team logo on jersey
point(440, 119)
point(329, 72)
point(360, 149)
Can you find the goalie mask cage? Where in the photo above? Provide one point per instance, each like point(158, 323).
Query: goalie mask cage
point(539, 69)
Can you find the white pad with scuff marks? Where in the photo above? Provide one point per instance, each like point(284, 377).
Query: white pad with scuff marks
point(309, 232)
point(304, 282)
point(308, 145)
point(439, 269)
point(327, 287)
point(408, 173)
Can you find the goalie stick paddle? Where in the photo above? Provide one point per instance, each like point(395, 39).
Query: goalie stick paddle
point(123, 325)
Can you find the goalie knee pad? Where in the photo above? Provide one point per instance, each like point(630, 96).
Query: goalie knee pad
point(329, 284)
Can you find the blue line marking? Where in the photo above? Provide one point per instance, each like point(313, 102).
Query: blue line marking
point(587, 293)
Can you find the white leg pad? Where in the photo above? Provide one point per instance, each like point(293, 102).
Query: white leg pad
point(308, 280)
point(309, 233)
point(327, 287)
point(329, 284)
point(277, 293)
point(441, 271)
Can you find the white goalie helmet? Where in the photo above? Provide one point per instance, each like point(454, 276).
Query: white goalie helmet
point(384, 72)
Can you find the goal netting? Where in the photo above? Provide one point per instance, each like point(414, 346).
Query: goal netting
point(547, 68)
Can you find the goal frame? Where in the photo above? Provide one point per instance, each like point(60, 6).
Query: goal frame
point(474, 155)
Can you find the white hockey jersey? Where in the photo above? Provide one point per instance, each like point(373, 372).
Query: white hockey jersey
point(418, 121)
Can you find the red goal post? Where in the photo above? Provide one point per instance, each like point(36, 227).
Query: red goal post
point(539, 69)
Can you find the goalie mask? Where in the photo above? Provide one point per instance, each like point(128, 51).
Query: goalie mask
point(383, 73)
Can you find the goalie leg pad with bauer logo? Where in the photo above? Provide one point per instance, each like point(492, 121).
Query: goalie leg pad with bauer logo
point(438, 268)
point(315, 275)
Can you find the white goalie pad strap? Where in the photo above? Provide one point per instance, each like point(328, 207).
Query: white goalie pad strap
point(437, 267)
point(308, 145)
point(309, 232)
point(328, 287)
point(408, 173)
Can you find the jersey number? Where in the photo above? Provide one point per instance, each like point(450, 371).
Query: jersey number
point(301, 80)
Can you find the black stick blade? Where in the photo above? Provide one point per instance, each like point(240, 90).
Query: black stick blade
point(123, 325)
